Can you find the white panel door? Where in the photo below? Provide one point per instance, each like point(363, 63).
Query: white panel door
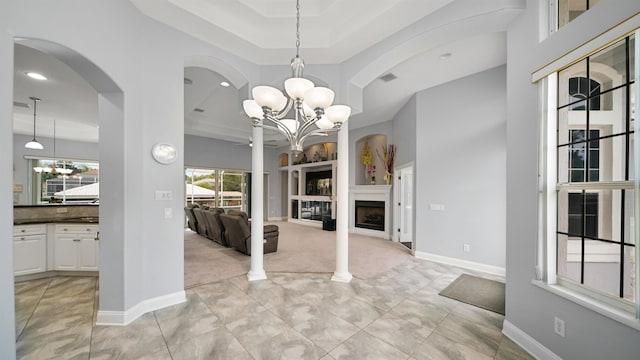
point(404, 181)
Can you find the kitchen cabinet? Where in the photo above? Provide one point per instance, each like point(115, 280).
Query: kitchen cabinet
point(29, 249)
point(76, 247)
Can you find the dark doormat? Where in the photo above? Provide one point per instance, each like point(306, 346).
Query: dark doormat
point(483, 293)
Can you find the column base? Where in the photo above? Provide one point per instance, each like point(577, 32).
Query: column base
point(253, 275)
point(344, 277)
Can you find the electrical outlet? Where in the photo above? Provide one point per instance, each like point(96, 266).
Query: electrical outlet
point(466, 248)
point(558, 326)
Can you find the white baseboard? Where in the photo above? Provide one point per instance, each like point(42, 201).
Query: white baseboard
point(124, 318)
point(471, 265)
point(533, 347)
point(277, 218)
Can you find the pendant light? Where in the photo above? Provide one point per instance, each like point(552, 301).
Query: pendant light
point(34, 144)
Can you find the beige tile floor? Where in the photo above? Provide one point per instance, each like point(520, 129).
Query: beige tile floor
point(397, 314)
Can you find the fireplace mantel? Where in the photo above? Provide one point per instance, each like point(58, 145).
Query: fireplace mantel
point(371, 193)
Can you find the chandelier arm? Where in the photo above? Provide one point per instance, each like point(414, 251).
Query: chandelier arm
point(281, 114)
point(270, 127)
point(280, 127)
point(318, 132)
point(309, 123)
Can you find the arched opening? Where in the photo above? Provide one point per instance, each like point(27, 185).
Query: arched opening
point(94, 112)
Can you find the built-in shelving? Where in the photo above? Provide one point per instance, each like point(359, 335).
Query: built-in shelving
point(312, 184)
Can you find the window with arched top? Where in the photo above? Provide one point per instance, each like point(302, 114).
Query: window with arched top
point(581, 89)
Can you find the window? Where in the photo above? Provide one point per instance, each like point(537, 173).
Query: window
point(64, 181)
point(571, 9)
point(216, 188)
point(591, 132)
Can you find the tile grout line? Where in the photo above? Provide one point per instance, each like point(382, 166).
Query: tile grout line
point(19, 337)
point(223, 323)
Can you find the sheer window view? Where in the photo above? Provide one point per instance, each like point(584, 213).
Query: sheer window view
point(64, 181)
point(571, 9)
point(595, 201)
point(216, 188)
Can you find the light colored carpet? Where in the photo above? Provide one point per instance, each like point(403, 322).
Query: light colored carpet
point(483, 293)
point(300, 249)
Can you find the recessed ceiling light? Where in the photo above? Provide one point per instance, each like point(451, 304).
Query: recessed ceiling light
point(445, 56)
point(224, 84)
point(35, 75)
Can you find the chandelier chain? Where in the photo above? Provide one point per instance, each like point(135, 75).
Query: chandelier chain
point(298, 28)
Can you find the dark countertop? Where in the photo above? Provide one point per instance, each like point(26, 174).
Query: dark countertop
point(76, 220)
point(53, 205)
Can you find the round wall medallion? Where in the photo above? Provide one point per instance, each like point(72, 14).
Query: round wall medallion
point(164, 153)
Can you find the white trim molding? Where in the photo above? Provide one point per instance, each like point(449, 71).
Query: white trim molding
point(529, 344)
point(124, 318)
point(471, 265)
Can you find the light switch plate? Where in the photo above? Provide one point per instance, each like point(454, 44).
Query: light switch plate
point(163, 195)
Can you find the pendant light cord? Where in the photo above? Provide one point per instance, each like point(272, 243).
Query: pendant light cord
point(34, 117)
point(35, 104)
point(297, 28)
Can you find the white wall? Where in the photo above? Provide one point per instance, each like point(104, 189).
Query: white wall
point(529, 308)
point(461, 142)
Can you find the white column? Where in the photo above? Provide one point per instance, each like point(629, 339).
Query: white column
point(342, 273)
point(257, 223)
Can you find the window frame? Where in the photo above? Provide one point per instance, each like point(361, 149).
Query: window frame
point(546, 267)
point(34, 195)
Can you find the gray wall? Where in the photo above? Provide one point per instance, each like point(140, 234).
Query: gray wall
point(530, 308)
point(7, 316)
point(462, 165)
point(404, 132)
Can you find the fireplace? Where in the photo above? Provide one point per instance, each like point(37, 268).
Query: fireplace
point(369, 215)
point(370, 210)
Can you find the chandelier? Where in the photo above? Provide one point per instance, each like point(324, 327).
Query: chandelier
point(313, 113)
point(53, 169)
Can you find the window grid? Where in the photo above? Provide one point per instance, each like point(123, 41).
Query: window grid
point(589, 146)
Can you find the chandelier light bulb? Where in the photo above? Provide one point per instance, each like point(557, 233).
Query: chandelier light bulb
point(319, 97)
point(290, 124)
point(324, 123)
point(338, 113)
point(297, 87)
point(308, 111)
point(267, 96)
point(252, 109)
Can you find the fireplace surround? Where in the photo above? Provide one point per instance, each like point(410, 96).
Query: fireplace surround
point(370, 207)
